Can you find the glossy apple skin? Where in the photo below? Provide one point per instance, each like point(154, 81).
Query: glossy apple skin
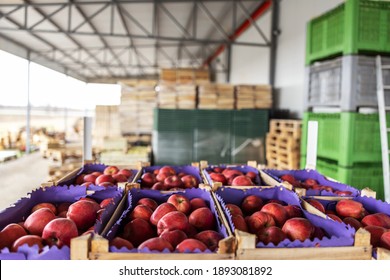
point(181, 202)
point(251, 204)
point(156, 244)
point(11, 233)
point(202, 219)
point(59, 232)
point(30, 240)
point(350, 208)
point(190, 245)
point(298, 229)
point(171, 221)
point(277, 211)
point(210, 238)
point(36, 221)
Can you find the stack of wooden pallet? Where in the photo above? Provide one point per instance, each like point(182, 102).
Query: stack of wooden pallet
point(138, 101)
point(216, 96)
point(283, 144)
point(253, 97)
point(184, 76)
point(186, 96)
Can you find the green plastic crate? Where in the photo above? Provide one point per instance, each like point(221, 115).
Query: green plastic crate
point(356, 26)
point(347, 138)
point(359, 176)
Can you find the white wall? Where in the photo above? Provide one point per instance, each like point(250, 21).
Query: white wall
point(250, 64)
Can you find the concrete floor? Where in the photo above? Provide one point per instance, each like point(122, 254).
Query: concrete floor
point(20, 176)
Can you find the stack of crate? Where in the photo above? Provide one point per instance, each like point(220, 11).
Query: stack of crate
point(225, 94)
point(341, 74)
point(253, 97)
point(138, 101)
point(107, 124)
point(186, 96)
point(283, 144)
point(207, 96)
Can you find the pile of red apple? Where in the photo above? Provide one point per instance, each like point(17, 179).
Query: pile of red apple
point(53, 225)
point(272, 221)
point(232, 177)
point(354, 214)
point(178, 225)
point(110, 176)
point(312, 184)
point(166, 178)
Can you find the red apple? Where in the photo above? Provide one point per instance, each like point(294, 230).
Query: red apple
point(161, 210)
point(127, 172)
point(289, 178)
point(239, 223)
point(151, 203)
point(107, 201)
point(277, 211)
point(350, 208)
point(197, 202)
point(181, 175)
point(171, 221)
point(59, 232)
point(167, 169)
point(119, 178)
point(218, 169)
point(159, 186)
point(90, 178)
point(30, 240)
point(86, 184)
point(202, 219)
point(251, 204)
point(10, 233)
point(298, 229)
point(293, 211)
point(174, 237)
point(189, 181)
point(271, 234)
point(376, 234)
point(231, 173)
point(252, 175)
point(173, 182)
point(48, 205)
point(352, 222)
point(335, 218)
point(120, 242)
point(210, 238)
point(234, 209)
point(385, 240)
point(181, 202)
point(107, 184)
point(96, 173)
point(83, 213)
point(148, 180)
point(218, 177)
point(138, 231)
point(63, 207)
point(276, 201)
point(156, 244)
point(80, 179)
point(311, 182)
point(259, 220)
point(316, 204)
point(156, 171)
point(377, 219)
point(343, 193)
point(190, 245)
point(327, 188)
point(111, 170)
point(160, 177)
point(318, 233)
point(141, 212)
point(37, 220)
point(103, 179)
point(242, 180)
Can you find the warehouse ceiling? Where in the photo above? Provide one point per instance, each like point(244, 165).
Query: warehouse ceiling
point(107, 40)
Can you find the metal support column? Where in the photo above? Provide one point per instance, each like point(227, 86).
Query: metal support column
point(87, 144)
point(229, 63)
point(275, 31)
point(28, 117)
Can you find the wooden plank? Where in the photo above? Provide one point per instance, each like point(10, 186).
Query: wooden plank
point(80, 247)
point(160, 256)
point(383, 254)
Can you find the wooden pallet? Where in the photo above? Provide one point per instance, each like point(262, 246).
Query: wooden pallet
point(282, 152)
point(246, 250)
point(291, 128)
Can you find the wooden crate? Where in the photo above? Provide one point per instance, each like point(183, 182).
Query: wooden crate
point(282, 152)
point(246, 250)
point(97, 247)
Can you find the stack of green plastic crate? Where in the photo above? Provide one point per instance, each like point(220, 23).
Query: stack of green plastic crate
point(349, 148)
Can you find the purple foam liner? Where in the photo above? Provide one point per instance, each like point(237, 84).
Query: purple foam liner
point(188, 169)
point(338, 234)
point(92, 167)
point(304, 174)
point(242, 168)
point(135, 195)
point(55, 194)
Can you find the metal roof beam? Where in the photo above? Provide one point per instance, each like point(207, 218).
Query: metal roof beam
point(81, 11)
point(213, 20)
point(46, 17)
point(87, 19)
